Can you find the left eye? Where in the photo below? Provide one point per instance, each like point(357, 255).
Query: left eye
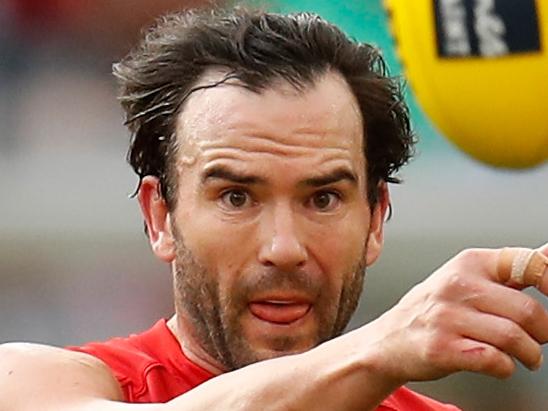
point(325, 200)
point(236, 198)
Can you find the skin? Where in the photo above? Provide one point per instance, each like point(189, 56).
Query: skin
point(286, 188)
point(452, 321)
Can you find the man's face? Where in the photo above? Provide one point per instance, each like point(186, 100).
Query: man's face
point(272, 222)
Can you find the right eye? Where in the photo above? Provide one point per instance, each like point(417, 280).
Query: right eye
point(236, 199)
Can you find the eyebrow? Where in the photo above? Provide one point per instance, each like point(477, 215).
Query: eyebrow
point(340, 174)
point(224, 173)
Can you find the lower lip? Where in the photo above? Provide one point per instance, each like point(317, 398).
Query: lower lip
point(279, 314)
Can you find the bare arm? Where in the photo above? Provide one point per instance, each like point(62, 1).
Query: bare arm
point(36, 377)
point(460, 318)
point(51, 379)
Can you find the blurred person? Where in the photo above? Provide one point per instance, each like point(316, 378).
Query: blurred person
point(264, 145)
point(107, 27)
point(54, 63)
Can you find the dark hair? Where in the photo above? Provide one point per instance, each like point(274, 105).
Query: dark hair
point(257, 48)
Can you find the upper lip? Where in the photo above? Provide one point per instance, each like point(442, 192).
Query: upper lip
point(283, 298)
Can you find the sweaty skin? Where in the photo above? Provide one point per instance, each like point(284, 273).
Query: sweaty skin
point(294, 160)
point(287, 223)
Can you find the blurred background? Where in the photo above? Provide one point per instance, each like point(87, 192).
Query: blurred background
point(74, 262)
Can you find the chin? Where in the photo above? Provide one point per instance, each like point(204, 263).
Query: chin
point(281, 348)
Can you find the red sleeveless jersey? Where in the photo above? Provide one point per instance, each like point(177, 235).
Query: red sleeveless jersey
point(152, 368)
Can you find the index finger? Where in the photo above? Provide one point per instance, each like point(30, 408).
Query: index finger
point(543, 286)
point(523, 267)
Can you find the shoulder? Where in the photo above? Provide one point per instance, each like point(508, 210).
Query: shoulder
point(122, 355)
point(404, 399)
point(149, 366)
point(126, 355)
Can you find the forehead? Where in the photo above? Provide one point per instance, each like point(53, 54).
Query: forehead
point(324, 115)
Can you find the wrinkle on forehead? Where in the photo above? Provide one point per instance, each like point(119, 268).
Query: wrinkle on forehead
point(325, 115)
point(266, 145)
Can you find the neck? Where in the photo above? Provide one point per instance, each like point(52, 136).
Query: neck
point(190, 347)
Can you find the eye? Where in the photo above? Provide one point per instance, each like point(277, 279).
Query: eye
point(325, 200)
point(236, 198)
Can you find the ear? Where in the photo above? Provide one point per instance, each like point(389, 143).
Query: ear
point(157, 219)
point(376, 229)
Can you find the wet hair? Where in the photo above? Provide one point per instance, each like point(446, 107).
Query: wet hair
point(258, 49)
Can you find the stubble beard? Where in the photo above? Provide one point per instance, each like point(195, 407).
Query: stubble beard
point(216, 319)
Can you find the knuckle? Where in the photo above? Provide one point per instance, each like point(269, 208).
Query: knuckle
point(460, 275)
point(437, 316)
point(511, 335)
point(472, 259)
point(458, 283)
point(490, 358)
point(529, 311)
point(470, 254)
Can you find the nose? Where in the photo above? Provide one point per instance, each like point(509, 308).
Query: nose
point(281, 246)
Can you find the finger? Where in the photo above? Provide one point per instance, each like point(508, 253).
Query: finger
point(544, 249)
point(521, 267)
point(543, 284)
point(503, 334)
point(518, 307)
point(475, 356)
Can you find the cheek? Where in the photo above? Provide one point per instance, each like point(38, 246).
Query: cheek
point(342, 245)
point(222, 247)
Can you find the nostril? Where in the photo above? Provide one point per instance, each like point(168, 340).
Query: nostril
point(281, 245)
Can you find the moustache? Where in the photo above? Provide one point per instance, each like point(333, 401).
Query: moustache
point(260, 282)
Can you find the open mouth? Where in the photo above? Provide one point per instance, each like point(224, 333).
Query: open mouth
point(278, 311)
